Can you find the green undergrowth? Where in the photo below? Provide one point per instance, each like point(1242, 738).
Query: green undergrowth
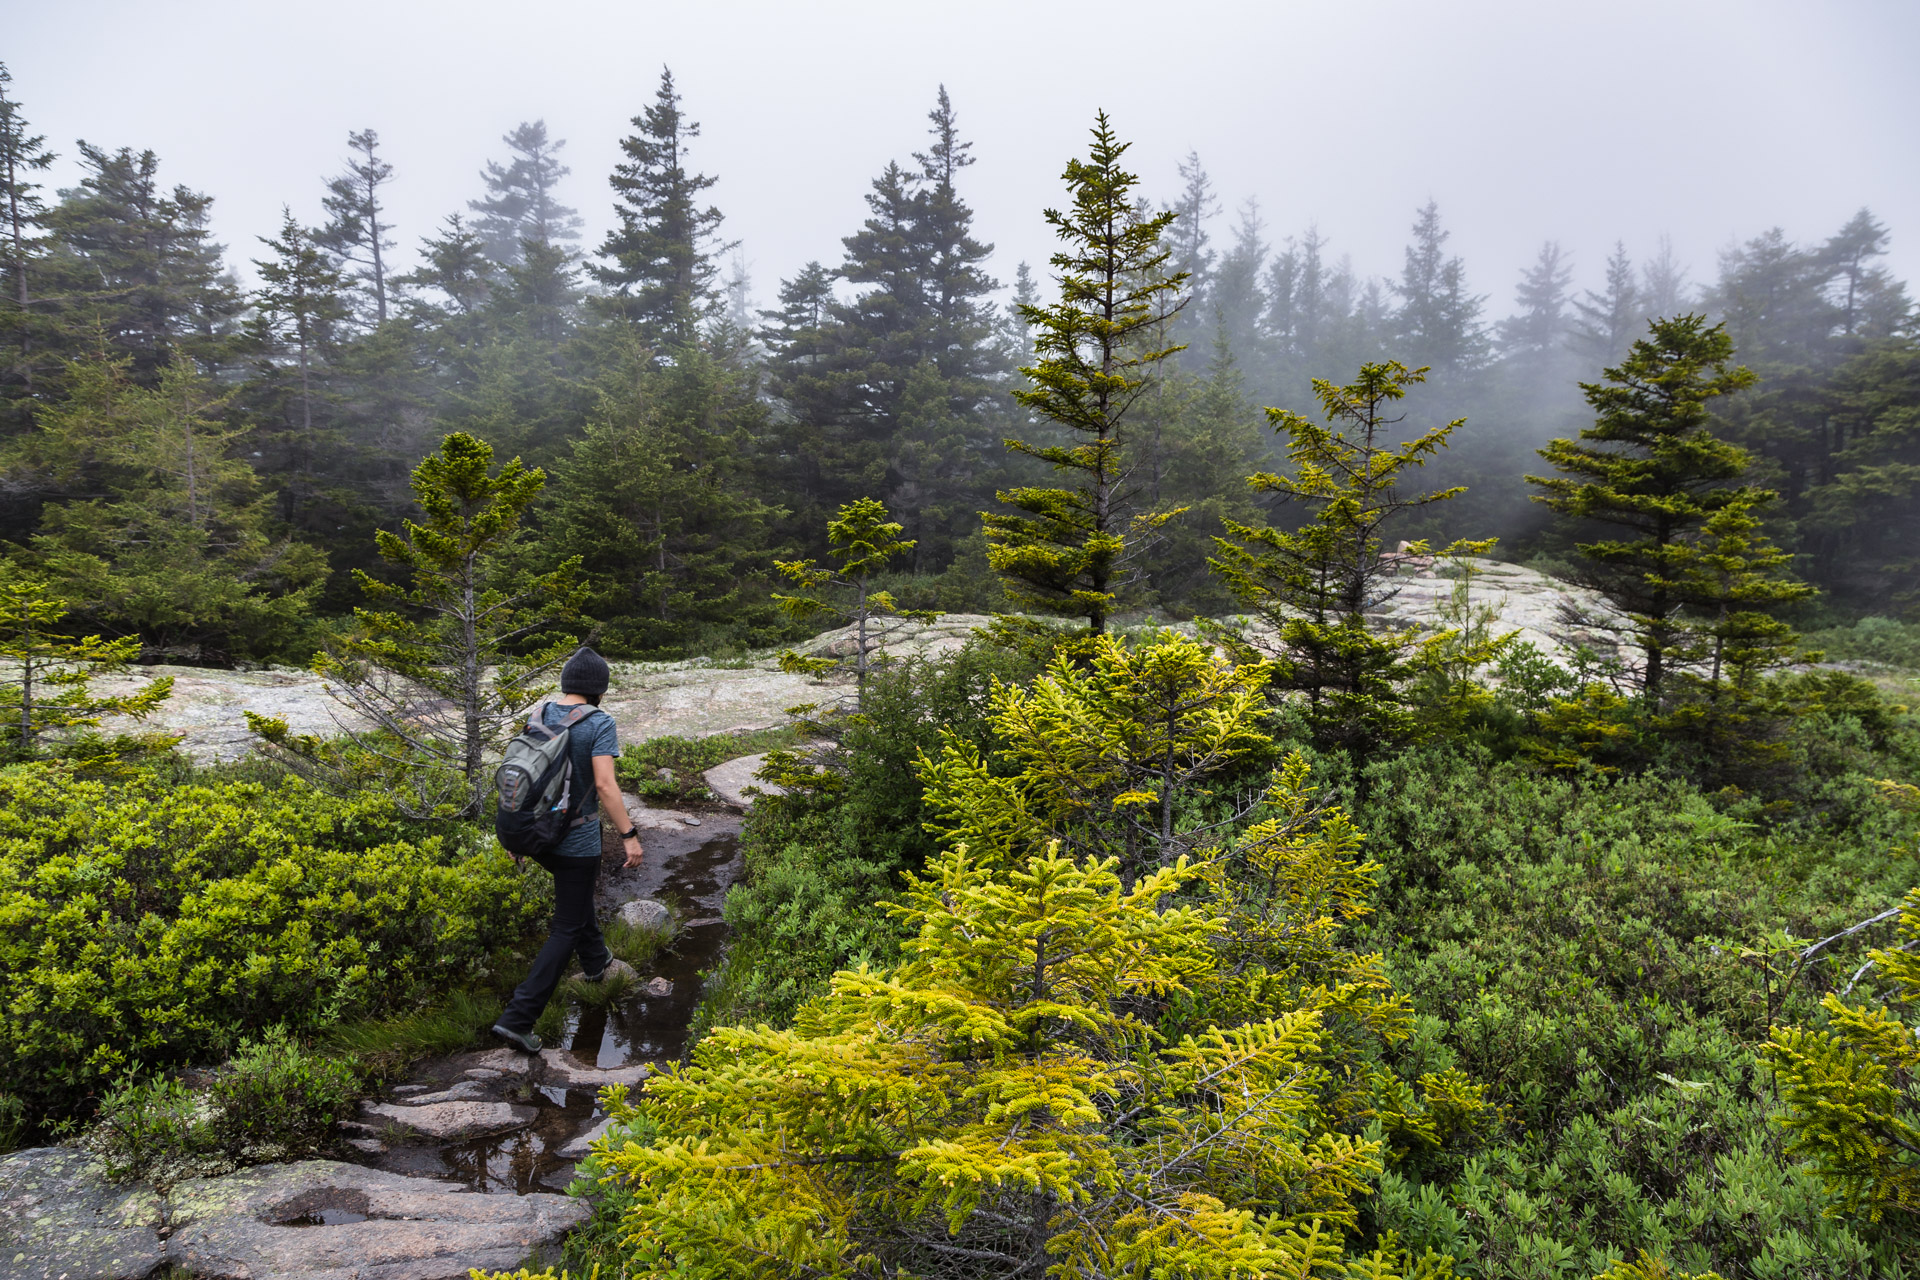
point(686, 759)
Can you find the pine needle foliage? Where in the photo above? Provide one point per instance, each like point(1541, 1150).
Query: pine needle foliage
point(1313, 586)
point(445, 671)
point(1075, 548)
point(1651, 468)
point(1041, 1086)
point(1851, 1089)
point(865, 541)
point(46, 676)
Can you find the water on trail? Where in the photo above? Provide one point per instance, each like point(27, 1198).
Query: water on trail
point(691, 870)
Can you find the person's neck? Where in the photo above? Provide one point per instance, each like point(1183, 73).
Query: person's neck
point(573, 699)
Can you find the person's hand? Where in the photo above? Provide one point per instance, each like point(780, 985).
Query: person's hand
point(634, 851)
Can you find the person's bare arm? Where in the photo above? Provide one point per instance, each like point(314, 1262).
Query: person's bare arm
point(613, 807)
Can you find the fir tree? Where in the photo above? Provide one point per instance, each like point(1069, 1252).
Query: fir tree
point(299, 313)
point(1650, 467)
point(1068, 553)
point(441, 666)
point(1870, 302)
point(138, 264)
point(47, 676)
point(1731, 577)
point(1188, 243)
point(660, 259)
point(356, 232)
point(520, 206)
point(1538, 329)
point(864, 543)
point(1314, 586)
point(1608, 320)
point(171, 540)
point(23, 153)
point(1438, 322)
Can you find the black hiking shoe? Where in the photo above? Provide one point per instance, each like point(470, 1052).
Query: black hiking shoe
point(525, 1041)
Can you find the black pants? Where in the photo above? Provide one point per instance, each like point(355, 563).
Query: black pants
point(574, 930)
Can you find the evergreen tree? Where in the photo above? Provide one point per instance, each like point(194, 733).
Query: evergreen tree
point(1608, 320)
point(1238, 299)
point(1870, 302)
point(1663, 283)
point(1860, 523)
point(138, 265)
point(449, 292)
point(660, 259)
point(520, 206)
point(1651, 468)
point(656, 501)
point(47, 676)
point(1539, 327)
point(441, 667)
point(1188, 243)
point(299, 311)
point(1438, 322)
point(356, 232)
point(1313, 586)
point(1731, 577)
point(1072, 550)
point(23, 153)
point(865, 543)
point(167, 535)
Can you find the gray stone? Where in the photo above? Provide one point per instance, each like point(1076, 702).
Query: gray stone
point(385, 1226)
point(649, 819)
point(505, 1062)
point(664, 774)
point(463, 1091)
point(645, 913)
point(582, 1147)
point(560, 1069)
point(618, 969)
point(411, 1088)
point(659, 987)
point(450, 1121)
point(60, 1217)
point(735, 781)
point(371, 1146)
point(691, 821)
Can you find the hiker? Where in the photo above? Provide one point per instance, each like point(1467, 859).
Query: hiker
point(575, 864)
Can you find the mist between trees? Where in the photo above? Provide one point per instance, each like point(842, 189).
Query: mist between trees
point(202, 465)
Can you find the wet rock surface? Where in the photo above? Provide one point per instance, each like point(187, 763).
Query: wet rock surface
point(451, 1121)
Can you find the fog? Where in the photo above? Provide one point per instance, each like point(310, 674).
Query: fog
point(1708, 122)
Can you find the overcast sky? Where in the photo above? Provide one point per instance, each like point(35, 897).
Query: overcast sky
point(1527, 121)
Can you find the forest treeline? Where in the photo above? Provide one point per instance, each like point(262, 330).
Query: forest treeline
point(203, 465)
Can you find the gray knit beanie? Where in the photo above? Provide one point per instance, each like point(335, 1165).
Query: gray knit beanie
point(584, 674)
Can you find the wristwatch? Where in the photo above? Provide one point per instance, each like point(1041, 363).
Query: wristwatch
point(631, 833)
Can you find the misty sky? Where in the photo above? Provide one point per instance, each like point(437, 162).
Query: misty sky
point(1581, 122)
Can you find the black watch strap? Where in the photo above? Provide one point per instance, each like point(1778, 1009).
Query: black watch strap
point(631, 833)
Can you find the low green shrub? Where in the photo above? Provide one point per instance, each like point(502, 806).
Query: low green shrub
point(147, 922)
point(1878, 640)
point(640, 763)
point(275, 1100)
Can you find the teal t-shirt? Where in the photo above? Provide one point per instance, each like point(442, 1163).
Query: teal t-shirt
point(594, 735)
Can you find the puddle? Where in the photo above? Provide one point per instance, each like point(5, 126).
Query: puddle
point(639, 1028)
point(325, 1218)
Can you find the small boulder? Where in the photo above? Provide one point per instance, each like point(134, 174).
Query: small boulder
point(645, 913)
point(498, 1062)
point(659, 987)
point(451, 1121)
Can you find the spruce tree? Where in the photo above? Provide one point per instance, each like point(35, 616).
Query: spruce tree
point(46, 675)
point(137, 263)
point(1608, 320)
point(1538, 330)
point(520, 206)
point(440, 667)
point(1188, 243)
point(1072, 550)
point(1438, 322)
point(1314, 585)
point(660, 261)
point(864, 543)
point(297, 320)
point(23, 153)
point(356, 232)
point(1651, 468)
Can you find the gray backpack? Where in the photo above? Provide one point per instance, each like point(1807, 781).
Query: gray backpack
point(539, 801)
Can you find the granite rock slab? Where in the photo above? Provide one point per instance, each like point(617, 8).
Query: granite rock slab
point(60, 1216)
point(452, 1121)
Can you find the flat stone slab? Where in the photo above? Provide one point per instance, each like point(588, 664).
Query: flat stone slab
point(60, 1217)
point(356, 1224)
point(502, 1062)
point(560, 1069)
point(450, 1121)
point(582, 1147)
point(730, 781)
point(463, 1091)
point(648, 819)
